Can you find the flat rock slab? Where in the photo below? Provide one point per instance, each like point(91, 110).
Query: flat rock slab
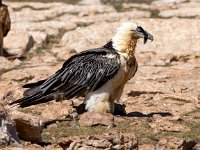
point(93, 118)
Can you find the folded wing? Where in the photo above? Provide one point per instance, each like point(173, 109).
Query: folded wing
point(80, 74)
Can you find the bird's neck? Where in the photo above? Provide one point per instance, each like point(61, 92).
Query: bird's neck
point(130, 50)
point(125, 45)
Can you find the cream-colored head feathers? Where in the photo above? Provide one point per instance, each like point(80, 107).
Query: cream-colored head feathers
point(123, 36)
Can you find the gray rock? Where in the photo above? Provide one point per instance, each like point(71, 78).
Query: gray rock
point(8, 134)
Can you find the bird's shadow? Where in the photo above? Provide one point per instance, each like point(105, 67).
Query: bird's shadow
point(138, 93)
point(139, 114)
point(120, 111)
point(4, 53)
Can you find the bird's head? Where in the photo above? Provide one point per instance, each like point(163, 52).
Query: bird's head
point(128, 33)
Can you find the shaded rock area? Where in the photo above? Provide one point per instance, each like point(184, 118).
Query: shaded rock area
point(159, 108)
point(29, 127)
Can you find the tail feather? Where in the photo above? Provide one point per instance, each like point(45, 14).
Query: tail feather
point(33, 85)
point(34, 88)
point(32, 91)
point(31, 100)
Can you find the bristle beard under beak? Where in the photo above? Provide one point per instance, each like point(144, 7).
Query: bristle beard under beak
point(148, 36)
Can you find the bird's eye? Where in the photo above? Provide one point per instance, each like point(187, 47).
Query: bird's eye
point(139, 29)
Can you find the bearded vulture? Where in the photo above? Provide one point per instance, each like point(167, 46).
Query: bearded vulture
point(98, 74)
point(4, 19)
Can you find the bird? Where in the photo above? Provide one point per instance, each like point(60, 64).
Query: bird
point(99, 75)
point(5, 25)
point(5, 19)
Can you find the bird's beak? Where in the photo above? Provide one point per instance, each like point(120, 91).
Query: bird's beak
point(147, 36)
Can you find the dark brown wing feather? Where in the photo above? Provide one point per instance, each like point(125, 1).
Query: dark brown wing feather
point(83, 72)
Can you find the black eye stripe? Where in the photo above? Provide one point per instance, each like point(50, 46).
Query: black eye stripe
point(139, 29)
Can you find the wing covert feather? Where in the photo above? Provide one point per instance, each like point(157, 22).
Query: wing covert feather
point(84, 72)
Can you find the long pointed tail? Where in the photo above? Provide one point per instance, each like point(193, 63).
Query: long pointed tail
point(31, 100)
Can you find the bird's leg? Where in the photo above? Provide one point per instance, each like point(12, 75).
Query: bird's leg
point(107, 107)
point(111, 104)
point(99, 103)
point(74, 116)
point(1, 52)
point(59, 96)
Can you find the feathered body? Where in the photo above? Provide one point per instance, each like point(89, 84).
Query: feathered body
point(5, 24)
point(98, 74)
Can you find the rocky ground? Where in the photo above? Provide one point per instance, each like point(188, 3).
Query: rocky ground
point(160, 106)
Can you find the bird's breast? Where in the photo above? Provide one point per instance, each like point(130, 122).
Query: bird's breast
point(128, 67)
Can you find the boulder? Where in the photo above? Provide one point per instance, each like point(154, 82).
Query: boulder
point(29, 127)
point(85, 39)
point(18, 42)
point(39, 37)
